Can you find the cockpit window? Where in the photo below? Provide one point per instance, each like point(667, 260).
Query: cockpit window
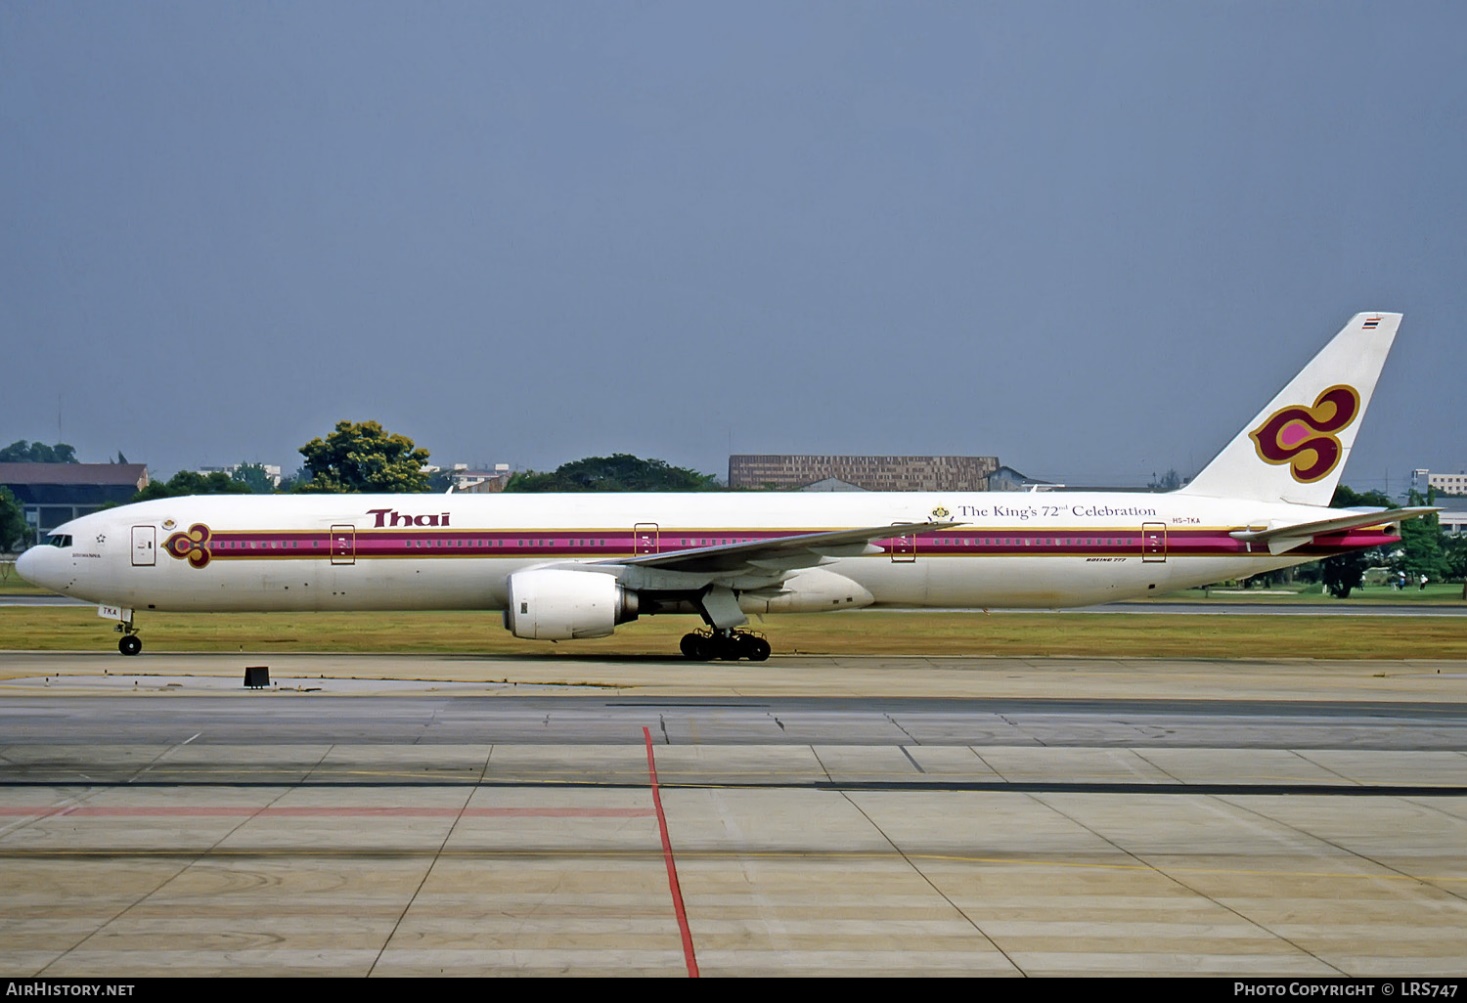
point(60, 540)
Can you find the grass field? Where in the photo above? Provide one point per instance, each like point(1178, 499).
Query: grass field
point(12, 584)
point(1434, 593)
point(1100, 635)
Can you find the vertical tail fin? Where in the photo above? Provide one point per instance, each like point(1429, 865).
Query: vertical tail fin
point(1295, 449)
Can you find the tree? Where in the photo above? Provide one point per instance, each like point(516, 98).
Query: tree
point(14, 532)
point(364, 457)
point(21, 451)
point(254, 477)
point(1454, 551)
point(291, 483)
point(618, 472)
point(1344, 573)
point(189, 482)
point(1421, 542)
point(1170, 481)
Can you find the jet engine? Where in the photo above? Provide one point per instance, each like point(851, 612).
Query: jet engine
point(553, 604)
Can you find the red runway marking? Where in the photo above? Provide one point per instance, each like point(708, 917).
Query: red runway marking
point(677, 892)
point(240, 811)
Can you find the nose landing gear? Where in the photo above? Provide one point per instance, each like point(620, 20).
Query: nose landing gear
point(727, 645)
point(129, 643)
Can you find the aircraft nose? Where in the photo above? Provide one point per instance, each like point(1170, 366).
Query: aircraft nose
point(32, 566)
point(26, 565)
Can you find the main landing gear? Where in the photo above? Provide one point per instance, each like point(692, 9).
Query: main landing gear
point(129, 643)
point(728, 645)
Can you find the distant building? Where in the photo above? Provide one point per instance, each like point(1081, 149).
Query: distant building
point(53, 493)
point(1008, 479)
point(1452, 523)
point(832, 484)
point(868, 473)
point(466, 480)
point(1447, 484)
point(272, 472)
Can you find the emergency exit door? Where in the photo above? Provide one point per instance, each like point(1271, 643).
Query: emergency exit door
point(645, 538)
point(903, 549)
point(344, 544)
point(1153, 542)
point(144, 546)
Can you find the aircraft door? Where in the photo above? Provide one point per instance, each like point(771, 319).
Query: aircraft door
point(645, 538)
point(903, 549)
point(144, 546)
point(1153, 543)
point(344, 544)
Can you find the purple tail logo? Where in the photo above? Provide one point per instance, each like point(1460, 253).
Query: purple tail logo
point(1304, 437)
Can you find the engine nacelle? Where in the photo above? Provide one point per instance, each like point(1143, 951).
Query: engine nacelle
point(553, 604)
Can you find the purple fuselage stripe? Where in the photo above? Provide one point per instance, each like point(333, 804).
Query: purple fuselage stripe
point(434, 543)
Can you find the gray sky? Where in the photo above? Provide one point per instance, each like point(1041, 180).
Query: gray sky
point(1089, 238)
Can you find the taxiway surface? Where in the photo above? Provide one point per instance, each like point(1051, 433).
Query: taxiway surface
point(811, 815)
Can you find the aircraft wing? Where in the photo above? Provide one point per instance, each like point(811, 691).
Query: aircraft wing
point(1281, 539)
point(804, 550)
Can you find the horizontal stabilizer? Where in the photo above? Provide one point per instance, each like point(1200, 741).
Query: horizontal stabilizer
point(1281, 539)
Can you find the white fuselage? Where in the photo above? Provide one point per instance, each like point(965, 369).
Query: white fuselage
point(405, 552)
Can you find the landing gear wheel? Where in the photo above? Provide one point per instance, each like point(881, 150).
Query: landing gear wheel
point(728, 647)
point(130, 644)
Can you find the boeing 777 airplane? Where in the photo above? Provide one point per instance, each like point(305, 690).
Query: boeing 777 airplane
point(577, 565)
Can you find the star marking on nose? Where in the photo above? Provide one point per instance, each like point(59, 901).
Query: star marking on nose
point(101, 537)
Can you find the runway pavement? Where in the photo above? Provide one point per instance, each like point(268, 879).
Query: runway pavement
point(456, 815)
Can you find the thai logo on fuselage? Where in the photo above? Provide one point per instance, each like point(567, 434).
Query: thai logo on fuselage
point(192, 545)
point(392, 517)
point(1305, 437)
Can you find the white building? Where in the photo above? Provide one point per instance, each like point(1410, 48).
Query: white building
point(464, 478)
point(1447, 484)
